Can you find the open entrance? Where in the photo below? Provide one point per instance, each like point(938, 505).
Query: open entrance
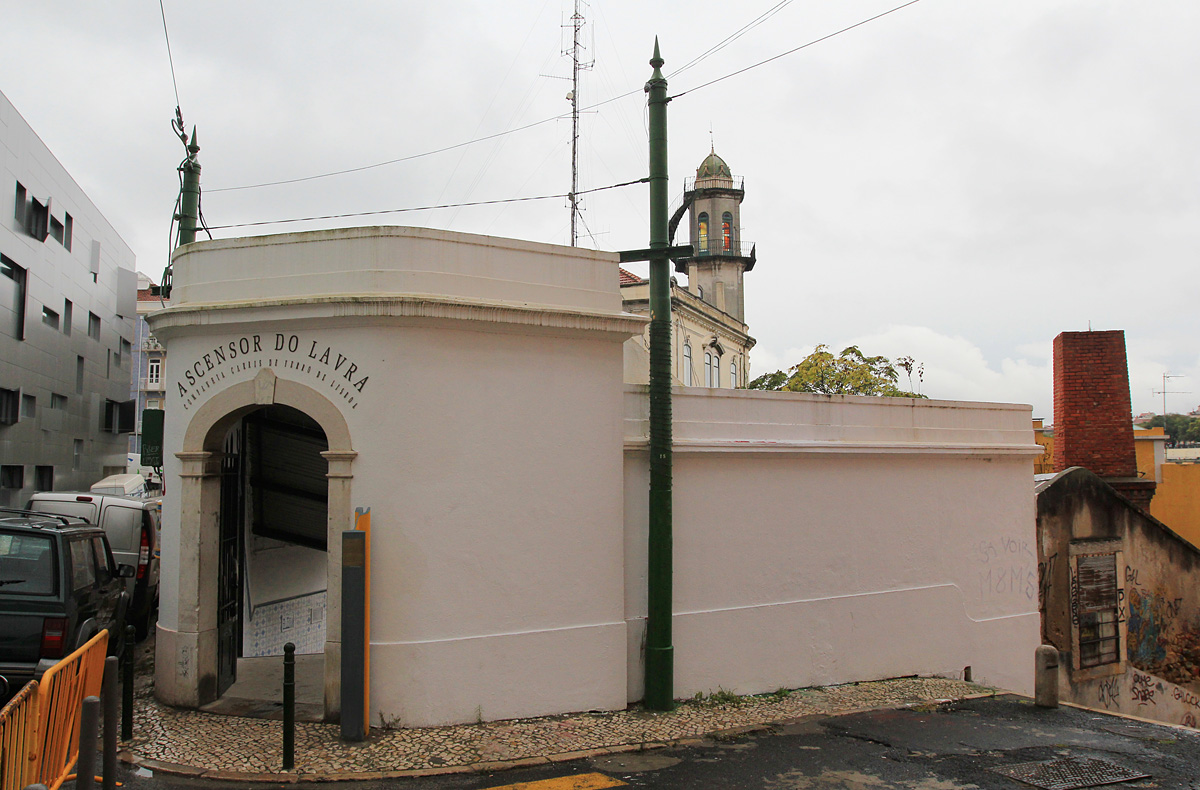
point(272, 563)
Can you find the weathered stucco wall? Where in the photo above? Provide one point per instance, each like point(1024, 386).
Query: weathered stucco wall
point(1156, 671)
point(823, 540)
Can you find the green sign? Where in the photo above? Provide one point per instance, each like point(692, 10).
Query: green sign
point(152, 437)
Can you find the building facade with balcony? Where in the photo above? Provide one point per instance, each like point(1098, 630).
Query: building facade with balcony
point(148, 387)
point(67, 311)
point(710, 341)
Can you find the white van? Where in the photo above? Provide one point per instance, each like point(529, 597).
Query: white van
point(121, 485)
point(133, 528)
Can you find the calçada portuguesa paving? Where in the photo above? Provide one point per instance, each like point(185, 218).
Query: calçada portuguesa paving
point(231, 747)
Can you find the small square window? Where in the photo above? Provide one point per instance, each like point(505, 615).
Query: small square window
point(37, 219)
point(10, 406)
point(93, 326)
point(79, 366)
point(58, 401)
point(56, 230)
point(28, 405)
point(69, 230)
point(19, 209)
point(17, 274)
point(43, 478)
point(68, 310)
point(12, 476)
point(49, 317)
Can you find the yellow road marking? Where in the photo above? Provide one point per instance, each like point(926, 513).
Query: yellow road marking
point(577, 782)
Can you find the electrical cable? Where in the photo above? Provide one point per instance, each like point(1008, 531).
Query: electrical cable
point(796, 49)
point(170, 59)
point(426, 208)
point(556, 117)
point(734, 36)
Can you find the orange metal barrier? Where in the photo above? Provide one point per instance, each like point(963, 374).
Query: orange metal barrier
point(61, 692)
point(18, 738)
point(39, 727)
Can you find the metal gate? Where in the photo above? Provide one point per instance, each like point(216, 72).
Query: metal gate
point(229, 553)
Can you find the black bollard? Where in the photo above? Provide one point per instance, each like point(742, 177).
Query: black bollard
point(108, 755)
point(289, 706)
point(127, 684)
point(89, 725)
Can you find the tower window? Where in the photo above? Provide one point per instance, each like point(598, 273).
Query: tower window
point(687, 364)
point(726, 230)
point(702, 232)
point(732, 374)
point(708, 369)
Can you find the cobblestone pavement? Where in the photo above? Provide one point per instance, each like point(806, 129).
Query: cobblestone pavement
point(193, 742)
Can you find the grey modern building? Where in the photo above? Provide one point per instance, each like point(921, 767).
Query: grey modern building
point(67, 312)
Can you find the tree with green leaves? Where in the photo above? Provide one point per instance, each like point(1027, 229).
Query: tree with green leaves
point(1180, 428)
point(849, 373)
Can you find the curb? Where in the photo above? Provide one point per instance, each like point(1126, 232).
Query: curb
point(491, 766)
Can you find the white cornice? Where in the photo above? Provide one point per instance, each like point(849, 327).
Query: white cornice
point(358, 307)
point(838, 448)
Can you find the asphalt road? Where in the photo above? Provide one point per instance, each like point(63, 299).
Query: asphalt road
point(943, 747)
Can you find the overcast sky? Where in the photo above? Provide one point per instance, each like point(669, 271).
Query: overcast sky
point(958, 181)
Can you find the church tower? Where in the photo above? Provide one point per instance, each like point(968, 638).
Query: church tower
point(720, 257)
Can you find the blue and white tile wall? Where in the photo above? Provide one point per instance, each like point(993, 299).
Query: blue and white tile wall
point(300, 620)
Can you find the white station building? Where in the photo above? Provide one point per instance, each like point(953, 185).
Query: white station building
point(468, 390)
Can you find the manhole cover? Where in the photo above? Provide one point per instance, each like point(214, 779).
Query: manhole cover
point(1069, 773)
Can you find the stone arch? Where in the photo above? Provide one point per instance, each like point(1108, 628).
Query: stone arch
point(199, 498)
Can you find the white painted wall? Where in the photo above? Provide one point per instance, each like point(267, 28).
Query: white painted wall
point(489, 444)
point(818, 540)
point(822, 540)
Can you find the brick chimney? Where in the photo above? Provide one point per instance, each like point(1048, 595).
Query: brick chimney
point(1093, 418)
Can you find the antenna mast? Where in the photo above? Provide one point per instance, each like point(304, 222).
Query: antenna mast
point(577, 65)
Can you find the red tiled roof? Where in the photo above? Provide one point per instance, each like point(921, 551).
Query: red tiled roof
point(144, 295)
point(629, 278)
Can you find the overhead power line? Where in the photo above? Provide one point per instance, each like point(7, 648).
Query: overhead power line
point(795, 49)
point(562, 116)
point(424, 208)
point(170, 58)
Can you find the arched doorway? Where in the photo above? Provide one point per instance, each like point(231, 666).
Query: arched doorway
point(272, 568)
point(264, 492)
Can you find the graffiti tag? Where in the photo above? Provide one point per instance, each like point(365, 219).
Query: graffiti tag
point(1108, 693)
point(1143, 689)
point(1186, 697)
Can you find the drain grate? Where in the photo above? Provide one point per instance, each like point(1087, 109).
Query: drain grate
point(1069, 773)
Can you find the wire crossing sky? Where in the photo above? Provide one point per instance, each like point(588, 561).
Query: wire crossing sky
point(956, 182)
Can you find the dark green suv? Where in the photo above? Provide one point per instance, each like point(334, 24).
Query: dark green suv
point(59, 586)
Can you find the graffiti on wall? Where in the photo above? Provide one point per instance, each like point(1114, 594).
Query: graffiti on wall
point(1045, 571)
point(1160, 640)
point(1142, 693)
point(1008, 566)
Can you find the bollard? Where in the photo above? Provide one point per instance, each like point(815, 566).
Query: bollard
point(289, 706)
point(127, 684)
point(1045, 681)
point(89, 724)
point(108, 754)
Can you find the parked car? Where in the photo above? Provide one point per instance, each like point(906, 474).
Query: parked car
point(59, 586)
point(133, 527)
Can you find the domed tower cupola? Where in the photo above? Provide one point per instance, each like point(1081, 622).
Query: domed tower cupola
point(713, 167)
point(720, 257)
